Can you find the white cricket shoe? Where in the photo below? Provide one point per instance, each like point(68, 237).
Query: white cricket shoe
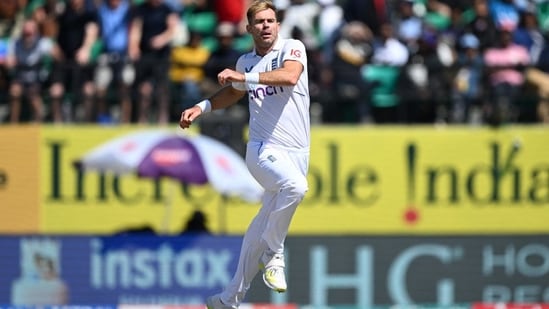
point(214, 302)
point(273, 271)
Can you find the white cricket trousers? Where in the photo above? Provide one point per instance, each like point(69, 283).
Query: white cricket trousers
point(283, 174)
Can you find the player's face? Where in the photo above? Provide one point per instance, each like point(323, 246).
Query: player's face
point(264, 29)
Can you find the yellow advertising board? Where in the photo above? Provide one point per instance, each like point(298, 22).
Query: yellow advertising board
point(19, 179)
point(427, 180)
point(375, 180)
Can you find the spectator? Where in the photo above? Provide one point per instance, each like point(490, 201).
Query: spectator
point(352, 50)
point(388, 50)
point(223, 56)
point(187, 69)
point(467, 90)
point(330, 20)
point(11, 19)
point(197, 223)
point(178, 6)
point(538, 75)
point(370, 12)
point(408, 26)
point(429, 81)
point(114, 68)
point(45, 13)
point(459, 5)
point(233, 12)
point(529, 34)
point(455, 30)
point(4, 77)
point(505, 65)
point(480, 23)
point(152, 27)
point(27, 56)
point(299, 17)
point(73, 70)
point(389, 56)
point(438, 15)
point(425, 83)
point(505, 14)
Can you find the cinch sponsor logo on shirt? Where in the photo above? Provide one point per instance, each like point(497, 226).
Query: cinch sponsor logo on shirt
point(261, 92)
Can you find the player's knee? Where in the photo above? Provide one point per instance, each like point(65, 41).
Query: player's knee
point(297, 188)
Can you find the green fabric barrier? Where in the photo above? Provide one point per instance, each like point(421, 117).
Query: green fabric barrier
point(96, 50)
point(201, 22)
point(437, 21)
point(385, 77)
point(543, 15)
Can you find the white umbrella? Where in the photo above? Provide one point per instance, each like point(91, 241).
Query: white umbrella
point(193, 159)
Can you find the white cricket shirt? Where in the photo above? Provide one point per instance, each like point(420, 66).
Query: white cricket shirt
point(279, 115)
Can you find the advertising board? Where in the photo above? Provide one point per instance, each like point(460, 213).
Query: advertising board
point(19, 179)
point(362, 180)
point(114, 270)
point(394, 180)
point(322, 271)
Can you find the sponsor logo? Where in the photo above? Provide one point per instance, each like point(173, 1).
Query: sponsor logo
point(164, 266)
point(169, 157)
point(261, 92)
point(295, 53)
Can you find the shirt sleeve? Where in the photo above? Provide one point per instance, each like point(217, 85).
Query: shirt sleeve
point(294, 50)
point(239, 68)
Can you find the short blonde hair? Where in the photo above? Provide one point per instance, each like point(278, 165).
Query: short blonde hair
point(258, 6)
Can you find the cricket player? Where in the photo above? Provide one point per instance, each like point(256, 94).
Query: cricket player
point(275, 79)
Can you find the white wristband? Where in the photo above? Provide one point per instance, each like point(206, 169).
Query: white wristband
point(205, 106)
point(251, 78)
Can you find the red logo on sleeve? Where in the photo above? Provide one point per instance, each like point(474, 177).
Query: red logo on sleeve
point(295, 53)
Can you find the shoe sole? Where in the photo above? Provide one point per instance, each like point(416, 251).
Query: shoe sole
point(270, 286)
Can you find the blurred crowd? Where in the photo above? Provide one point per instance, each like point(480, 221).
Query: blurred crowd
point(370, 61)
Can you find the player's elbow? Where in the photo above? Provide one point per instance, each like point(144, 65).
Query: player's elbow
point(293, 79)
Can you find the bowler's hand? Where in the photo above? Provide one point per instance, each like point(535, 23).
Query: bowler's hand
point(188, 116)
point(229, 76)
